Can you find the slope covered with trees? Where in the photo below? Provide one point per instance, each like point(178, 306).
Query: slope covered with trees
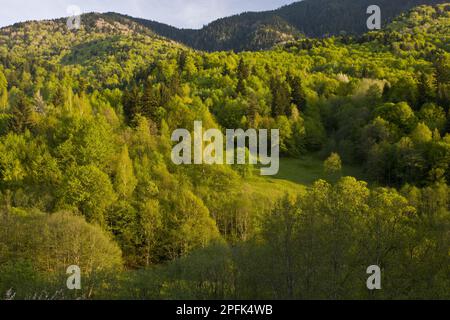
point(86, 175)
point(262, 30)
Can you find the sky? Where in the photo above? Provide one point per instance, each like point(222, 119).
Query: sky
point(179, 13)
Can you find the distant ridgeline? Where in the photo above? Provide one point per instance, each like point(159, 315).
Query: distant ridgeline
point(263, 30)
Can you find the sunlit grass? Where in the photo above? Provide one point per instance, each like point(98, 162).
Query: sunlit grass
point(308, 169)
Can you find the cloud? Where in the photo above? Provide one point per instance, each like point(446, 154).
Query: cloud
point(180, 13)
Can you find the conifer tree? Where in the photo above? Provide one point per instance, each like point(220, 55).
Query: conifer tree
point(3, 91)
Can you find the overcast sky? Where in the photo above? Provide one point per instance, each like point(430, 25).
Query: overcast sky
point(180, 13)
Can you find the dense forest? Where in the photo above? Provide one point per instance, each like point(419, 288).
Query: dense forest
point(263, 30)
point(86, 176)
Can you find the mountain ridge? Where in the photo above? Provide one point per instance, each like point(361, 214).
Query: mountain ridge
point(252, 31)
point(262, 30)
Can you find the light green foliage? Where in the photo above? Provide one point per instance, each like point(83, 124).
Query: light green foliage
point(88, 189)
point(125, 181)
point(422, 134)
point(38, 248)
point(317, 246)
point(433, 116)
point(3, 91)
point(333, 164)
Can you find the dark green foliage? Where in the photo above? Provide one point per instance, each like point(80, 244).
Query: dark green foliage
point(426, 88)
point(132, 103)
point(298, 95)
point(281, 101)
point(21, 113)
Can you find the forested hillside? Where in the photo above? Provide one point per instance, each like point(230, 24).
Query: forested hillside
point(262, 30)
point(86, 176)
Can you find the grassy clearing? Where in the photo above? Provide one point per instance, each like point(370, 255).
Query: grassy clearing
point(265, 191)
point(273, 187)
point(308, 169)
point(295, 176)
